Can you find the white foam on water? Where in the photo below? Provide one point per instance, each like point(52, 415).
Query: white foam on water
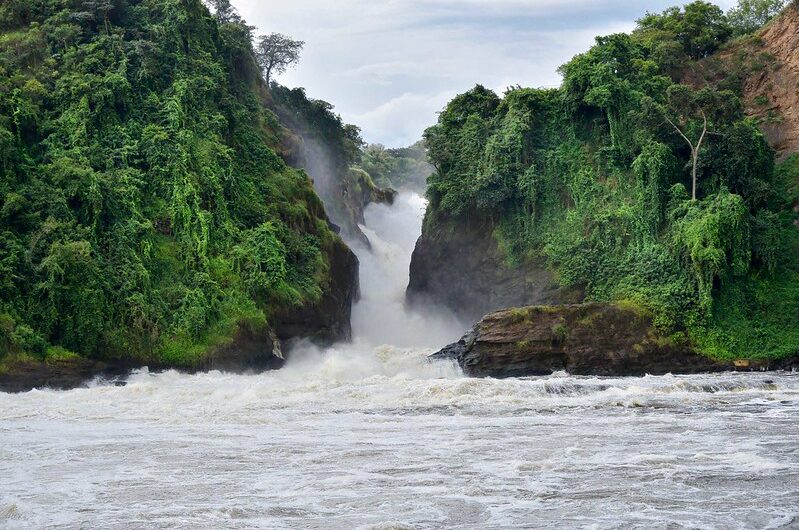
point(371, 435)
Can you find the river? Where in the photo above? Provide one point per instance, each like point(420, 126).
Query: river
point(369, 435)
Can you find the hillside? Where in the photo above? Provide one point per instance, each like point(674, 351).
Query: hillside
point(763, 69)
point(319, 142)
point(771, 96)
point(146, 214)
point(628, 184)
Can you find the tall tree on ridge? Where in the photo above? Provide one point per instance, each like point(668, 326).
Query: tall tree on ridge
point(276, 53)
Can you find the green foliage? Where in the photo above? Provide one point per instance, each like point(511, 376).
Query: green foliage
point(397, 168)
point(57, 354)
point(750, 15)
point(144, 209)
point(593, 177)
point(322, 144)
point(755, 316)
point(700, 27)
point(712, 237)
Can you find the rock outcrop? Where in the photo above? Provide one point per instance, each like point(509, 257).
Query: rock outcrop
point(459, 265)
point(771, 94)
point(585, 339)
point(253, 348)
point(347, 201)
point(328, 320)
point(767, 67)
point(65, 374)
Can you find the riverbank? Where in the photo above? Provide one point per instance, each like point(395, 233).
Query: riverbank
point(608, 340)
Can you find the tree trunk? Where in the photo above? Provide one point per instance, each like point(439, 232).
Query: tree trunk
point(694, 150)
point(695, 162)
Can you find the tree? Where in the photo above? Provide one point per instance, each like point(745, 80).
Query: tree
point(276, 53)
point(700, 27)
point(224, 10)
point(101, 8)
point(692, 115)
point(751, 15)
point(695, 147)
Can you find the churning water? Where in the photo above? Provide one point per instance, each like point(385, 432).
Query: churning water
point(373, 436)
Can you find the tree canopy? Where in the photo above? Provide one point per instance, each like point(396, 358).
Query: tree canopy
point(277, 53)
point(700, 27)
point(749, 15)
point(594, 178)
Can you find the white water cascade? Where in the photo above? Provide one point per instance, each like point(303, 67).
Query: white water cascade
point(386, 332)
point(370, 435)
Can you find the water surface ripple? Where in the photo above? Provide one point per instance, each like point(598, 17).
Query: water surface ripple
point(410, 446)
point(370, 436)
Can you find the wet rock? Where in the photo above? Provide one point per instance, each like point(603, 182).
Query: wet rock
point(458, 265)
point(457, 350)
point(253, 349)
point(327, 320)
point(585, 339)
point(27, 374)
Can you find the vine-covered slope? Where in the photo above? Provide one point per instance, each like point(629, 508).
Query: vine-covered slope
point(145, 212)
point(596, 179)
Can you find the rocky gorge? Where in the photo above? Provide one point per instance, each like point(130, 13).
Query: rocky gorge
point(458, 264)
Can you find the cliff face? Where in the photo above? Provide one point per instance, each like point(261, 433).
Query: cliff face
point(327, 320)
point(588, 339)
point(771, 95)
point(764, 69)
point(316, 140)
point(460, 266)
point(148, 215)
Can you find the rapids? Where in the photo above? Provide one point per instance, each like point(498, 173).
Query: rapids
point(371, 435)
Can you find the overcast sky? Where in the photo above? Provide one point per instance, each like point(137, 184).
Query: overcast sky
point(389, 66)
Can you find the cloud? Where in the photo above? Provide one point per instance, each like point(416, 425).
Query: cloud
point(400, 121)
point(390, 65)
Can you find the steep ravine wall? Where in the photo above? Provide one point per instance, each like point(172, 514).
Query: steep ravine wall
point(459, 265)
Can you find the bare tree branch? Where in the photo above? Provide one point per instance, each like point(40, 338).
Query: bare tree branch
point(695, 149)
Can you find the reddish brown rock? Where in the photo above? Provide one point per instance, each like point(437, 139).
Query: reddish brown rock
point(585, 339)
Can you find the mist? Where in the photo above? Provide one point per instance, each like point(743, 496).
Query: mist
point(389, 337)
point(382, 316)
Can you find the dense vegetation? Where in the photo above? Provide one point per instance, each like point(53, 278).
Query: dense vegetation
point(324, 145)
point(596, 177)
point(347, 173)
point(144, 209)
point(403, 168)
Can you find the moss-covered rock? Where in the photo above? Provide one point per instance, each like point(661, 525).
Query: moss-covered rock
point(585, 339)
